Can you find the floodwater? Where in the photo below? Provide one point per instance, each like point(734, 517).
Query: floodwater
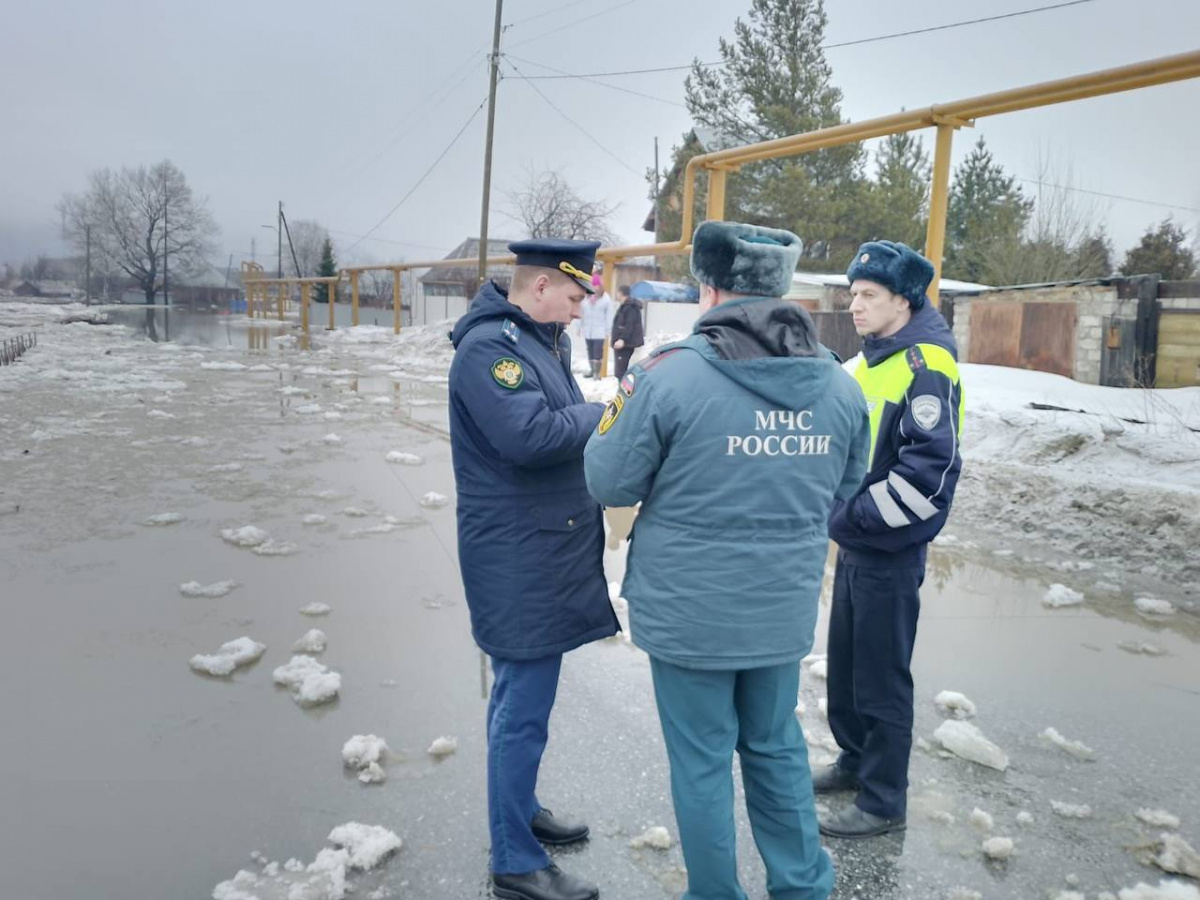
point(125, 774)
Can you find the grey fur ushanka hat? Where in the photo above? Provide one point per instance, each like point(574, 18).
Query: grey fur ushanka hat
point(745, 259)
point(898, 267)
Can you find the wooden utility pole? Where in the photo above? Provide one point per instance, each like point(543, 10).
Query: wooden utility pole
point(487, 153)
point(166, 246)
point(87, 283)
point(279, 236)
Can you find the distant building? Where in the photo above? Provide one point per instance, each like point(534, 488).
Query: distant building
point(449, 282)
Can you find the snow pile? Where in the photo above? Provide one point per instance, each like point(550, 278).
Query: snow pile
point(216, 589)
point(246, 536)
point(316, 608)
point(404, 459)
point(818, 665)
point(1078, 749)
point(981, 820)
point(313, 641)
point(229, 656)
point(998, 848)
point(355, 512)
point(1158, 818)
point(434, 500)
point(1024, 818)
point(965, 740)
point(159, 414)
point(272, 547)
point(222, 366)
point(1142, 647)
point(1071, 810)
point(360, 848)
point(443, 746)
point(365, 752)
point(1151, 606)
point(331, 438)
point(313, 519)
point(655, 837)
point(1166, 890)
point(310, 682)
point(1174, 855)
point(226, 467)
point(170, 518)
point(1061, 595)
point(952, 703)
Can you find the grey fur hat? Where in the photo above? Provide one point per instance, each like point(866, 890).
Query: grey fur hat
point(745, 259)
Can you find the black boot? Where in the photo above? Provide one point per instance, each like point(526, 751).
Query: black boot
point(550, 883)
point(832, 778)
point(550, 830)
point(853, 823)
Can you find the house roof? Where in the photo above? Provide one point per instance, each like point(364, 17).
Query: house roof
point(469, 249)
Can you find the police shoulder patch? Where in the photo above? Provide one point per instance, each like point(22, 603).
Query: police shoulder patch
point(508, 372)
point(615, 405)
point(926, 411)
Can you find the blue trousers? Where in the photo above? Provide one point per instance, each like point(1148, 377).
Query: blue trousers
point(706, 715)
point(872, 629)
point(518, 716)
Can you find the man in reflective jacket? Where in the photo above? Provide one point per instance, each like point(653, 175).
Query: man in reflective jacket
point(909, 376)
point(530, 539)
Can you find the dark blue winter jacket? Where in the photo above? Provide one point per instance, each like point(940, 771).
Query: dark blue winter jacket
point(530, 538)
point(915, 399)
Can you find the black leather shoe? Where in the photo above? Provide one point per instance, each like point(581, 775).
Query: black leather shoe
point(550, 830)
point(853, 823)
point(550, 883)
point(832, 778)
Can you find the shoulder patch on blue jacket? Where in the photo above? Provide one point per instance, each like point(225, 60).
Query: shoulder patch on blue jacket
point(510, 330)
point(916, 359)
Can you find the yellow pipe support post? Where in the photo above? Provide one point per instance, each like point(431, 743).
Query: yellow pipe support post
point(396, 301)
point(304, 292)
point(354, 298)
point(609, 279)
point(331, 296)
point(279, 298)
point(249, 299)
point(939, 201)
point(716, 195)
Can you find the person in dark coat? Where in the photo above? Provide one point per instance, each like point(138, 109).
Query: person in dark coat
point(530, 538)
point(628, 332)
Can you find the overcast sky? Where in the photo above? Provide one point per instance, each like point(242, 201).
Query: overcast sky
point(337, 109)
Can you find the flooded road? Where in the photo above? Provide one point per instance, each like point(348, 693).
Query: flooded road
point(126, 774)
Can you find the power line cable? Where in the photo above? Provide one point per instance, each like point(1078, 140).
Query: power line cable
point(590, 80)
point(421, 180)
point(366, 237)
point(548, 12)
point(870, 40)
point(576, 23)
point(579, 127)
point(1067, 187)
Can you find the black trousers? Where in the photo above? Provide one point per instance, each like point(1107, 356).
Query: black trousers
point(622, 360)
point(595, 348)
point(872, 629)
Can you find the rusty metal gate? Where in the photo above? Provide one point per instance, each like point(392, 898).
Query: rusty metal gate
point(1037, 336)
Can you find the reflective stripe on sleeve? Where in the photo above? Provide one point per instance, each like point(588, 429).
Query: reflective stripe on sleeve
point(892, 514)
point(911, 497)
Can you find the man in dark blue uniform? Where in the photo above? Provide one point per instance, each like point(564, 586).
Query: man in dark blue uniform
point(530, 538)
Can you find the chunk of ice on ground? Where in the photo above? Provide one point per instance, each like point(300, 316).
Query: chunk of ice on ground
point(952, 703)
point(170, 518)
point(434, 500)
point(1176, 856)
point(1071, 810)
point(226, 467)
point(368, 845)
point(313, 519)
point(1061, 595)
point(216, 589)
point(313, 641)
point(819, 669)
point(404, 459)
point(443, 746)
point(331, 438)
point(965, 740)
point(1078, 749)
point(998, 848)
point(316, 608)
point(372, 774)
point(364, 749)
point(1152, 606)
point(332, 416)
point(222, 366)
point(1024, 818)
point(229, 656)
point(1166, 890)
point(1159, 818)
point(310, 682)
point(246, 536)
point(272, 547)
point(656, 837)
point(981, 820)
point(940, 815)
point(822, 707)
point(355, 512)
point(159, 414)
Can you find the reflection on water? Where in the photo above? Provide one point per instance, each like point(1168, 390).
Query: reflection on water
point(185, 326)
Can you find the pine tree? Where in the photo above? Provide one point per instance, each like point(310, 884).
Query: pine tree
point(326, 269)
point(1161, 251)
point(899, 198)
point(987, 213)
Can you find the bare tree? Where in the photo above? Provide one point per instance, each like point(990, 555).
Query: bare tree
point(307, 239)
point(547, 206)
point(138, 217)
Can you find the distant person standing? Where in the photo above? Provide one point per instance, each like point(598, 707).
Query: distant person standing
point(909, 375)
point(593, 324)
point(628, 332)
